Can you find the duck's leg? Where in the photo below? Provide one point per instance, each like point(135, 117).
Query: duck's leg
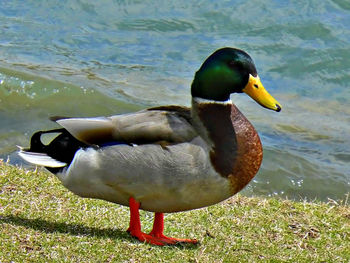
point(156, 236)
point(135, 225)
point(157, 232)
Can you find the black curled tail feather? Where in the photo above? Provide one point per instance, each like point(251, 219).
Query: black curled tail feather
point(36, 144)
point(62, 148)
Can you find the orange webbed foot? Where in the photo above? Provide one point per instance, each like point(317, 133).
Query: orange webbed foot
point(143, 237)
point(174, 241)
point(156, 236)
point(160, 240)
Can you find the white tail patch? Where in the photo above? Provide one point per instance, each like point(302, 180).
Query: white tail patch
point(41, 159)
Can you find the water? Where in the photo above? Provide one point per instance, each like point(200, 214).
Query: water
point(90, 58)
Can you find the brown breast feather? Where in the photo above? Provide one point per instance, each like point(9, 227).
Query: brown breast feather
point(237, 150)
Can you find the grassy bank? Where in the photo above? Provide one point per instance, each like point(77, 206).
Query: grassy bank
point(40, 221)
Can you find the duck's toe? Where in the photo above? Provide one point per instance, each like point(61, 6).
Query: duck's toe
point(171, 240)
point(160, 240)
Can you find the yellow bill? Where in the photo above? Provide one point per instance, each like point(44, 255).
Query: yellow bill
point(257, 92)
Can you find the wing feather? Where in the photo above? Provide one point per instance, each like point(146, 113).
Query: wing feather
point(171, 124)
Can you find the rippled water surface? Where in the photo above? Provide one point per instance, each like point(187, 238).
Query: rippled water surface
point(89, 58)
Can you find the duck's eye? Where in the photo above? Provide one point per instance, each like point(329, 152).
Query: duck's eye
point(256, 86)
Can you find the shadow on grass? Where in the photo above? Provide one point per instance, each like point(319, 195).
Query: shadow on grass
point(74, 229)
point(65, 228)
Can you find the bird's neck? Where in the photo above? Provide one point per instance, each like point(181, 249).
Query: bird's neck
point(211, 117)
point(213, 121)
point(235, 148)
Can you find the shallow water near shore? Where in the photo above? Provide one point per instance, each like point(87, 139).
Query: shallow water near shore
point(81, 58)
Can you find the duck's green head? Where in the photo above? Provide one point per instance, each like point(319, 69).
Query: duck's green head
point(230, 70)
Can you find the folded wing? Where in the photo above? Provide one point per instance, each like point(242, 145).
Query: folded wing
point(168, 123)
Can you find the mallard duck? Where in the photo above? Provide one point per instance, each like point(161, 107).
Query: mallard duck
point(164, 159)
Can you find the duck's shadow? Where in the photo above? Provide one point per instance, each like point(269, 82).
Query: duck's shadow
point(65, 228)
point(73, 229)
